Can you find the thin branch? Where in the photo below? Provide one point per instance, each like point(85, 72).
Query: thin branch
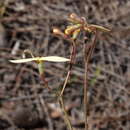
point(45, 108)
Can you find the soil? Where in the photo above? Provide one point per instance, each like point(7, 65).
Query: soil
point(25, 102)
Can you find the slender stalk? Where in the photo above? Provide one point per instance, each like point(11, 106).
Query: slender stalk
point(66, 117)
point(85, 89)
point(72, 57)
point(41, 72)
point(88, 50)
point(61, 102)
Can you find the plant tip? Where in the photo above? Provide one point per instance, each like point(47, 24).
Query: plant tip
point(73, 16)
point(56, 31)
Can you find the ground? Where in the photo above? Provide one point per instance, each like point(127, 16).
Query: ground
point(25, 102)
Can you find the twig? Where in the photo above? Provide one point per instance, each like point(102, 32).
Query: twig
point(45, 107)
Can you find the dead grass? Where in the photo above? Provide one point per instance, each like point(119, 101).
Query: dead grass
point(28, 25)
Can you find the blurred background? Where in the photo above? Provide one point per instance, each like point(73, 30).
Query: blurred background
point(25, 103)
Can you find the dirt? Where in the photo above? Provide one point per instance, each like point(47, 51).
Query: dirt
point(25, 102)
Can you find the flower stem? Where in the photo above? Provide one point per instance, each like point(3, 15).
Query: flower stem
point(88, 50)
point(66, 117)
point(72, 58)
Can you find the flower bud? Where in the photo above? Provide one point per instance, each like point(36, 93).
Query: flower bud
point(74, 18)
point(58, 32)
point(71, 29)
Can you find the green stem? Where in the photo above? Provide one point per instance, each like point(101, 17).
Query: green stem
point(66, 117)
point(41, 72)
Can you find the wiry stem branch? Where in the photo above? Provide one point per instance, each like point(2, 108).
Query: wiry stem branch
point(87, 55)
point(72, 58)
